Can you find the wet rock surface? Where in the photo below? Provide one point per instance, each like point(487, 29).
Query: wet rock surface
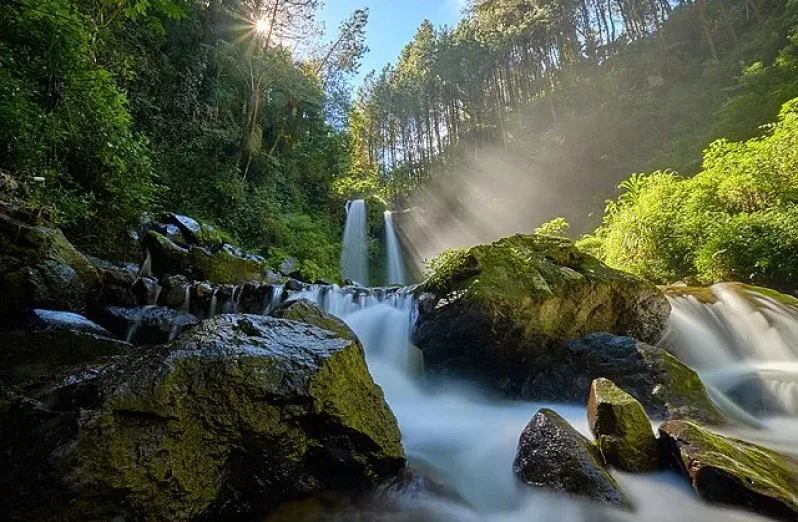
point(553, 455)
point(235, 417)
point(665, 387)
point(498, 312)
point(729, 471)
point(45, 340)
point(146, 324)
point(621, 428)
point(305, 311)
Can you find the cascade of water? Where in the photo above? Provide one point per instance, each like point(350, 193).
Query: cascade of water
point(467, 441)
point(186, 306)
point(744, 344)
point(146, 266)
point(354, 257)
point(396, 266)
point(212, 306)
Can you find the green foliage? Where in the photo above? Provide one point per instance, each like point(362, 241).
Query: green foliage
point(735, 220)
point(557, 227)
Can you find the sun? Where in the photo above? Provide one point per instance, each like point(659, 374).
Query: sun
point(262, 26)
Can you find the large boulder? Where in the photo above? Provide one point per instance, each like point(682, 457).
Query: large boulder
point(498, 312)
point(732, 472)
point(116, 282)
point(621, 428)
point(146, 324)
point(665, 387)
point(47, 339)
point(236, 416)
point(553, 455)
point(39, 268)
point(223, 264)
point(305, 311)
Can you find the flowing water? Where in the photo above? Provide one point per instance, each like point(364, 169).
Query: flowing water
point(466, 441)
point(354, 257)
point(393, 249)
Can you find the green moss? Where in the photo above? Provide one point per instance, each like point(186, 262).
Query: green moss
point(707, 456)
point(702, 294)
point(306, 312)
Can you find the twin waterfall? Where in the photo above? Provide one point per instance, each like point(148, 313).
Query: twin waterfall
point(354, 257)
point(743, 343)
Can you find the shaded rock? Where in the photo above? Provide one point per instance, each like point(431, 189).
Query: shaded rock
point(254, 298)
point(47, 339)
point(307, 312)
point(146, 324)
point(176, 292)
point(116, 282)
point(39, 268)
point(235, 417)
point(223, 265)
point(553, 455)
point(621, 428)
point(729, 471)
point(665, 387)
point(147, 291)
point(498, 312)
point(193, 231)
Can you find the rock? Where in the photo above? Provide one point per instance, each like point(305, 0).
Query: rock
point(147, 291)
point(553, 455)
point(621, 428)
point(195, 232)
point(221, 266)
point(238, 415)
point(307, 312)
point(39, 268)
point(728, 471)
point(47, 339)
point(146, 324)
point(289, 267)
point(498, 312)
point(116, 282)
point(665, 387)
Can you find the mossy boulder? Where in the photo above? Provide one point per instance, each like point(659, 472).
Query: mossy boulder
point(223, 265)
point(621, 428)
point(45, 340)
point(501, 311)
point(39, 268)
point(728, 471)
point(307, 312)
point(233, 418)
point(553, 455)
point(665, 387)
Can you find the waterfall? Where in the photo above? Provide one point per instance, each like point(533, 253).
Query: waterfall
point(743, 343)
point(354, 257)
point(396, 267)
point(465, 439)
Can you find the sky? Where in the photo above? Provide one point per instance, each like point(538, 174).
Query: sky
point(392, 24)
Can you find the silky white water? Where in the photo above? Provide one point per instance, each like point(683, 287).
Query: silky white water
point(354, 257)
point(393, 250)
point(466, 441)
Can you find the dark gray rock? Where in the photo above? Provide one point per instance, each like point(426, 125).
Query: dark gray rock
point(146, 324)
point(47, 339)
point(116, 282)
point(553, 455)
point(665, 387)
point(239, 415)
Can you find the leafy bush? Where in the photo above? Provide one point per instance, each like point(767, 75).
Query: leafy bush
point(735, 220)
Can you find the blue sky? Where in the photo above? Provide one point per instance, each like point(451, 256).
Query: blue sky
point(392, 23)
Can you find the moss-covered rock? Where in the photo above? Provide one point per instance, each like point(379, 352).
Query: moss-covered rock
point(502, 311)
point(553, 455)
point(39, 268)
point(235, 417)
point(665, 387)
point(45, 340)
point(733, 472)
point(223, 265)
point(307, 312)
point(622, 430)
